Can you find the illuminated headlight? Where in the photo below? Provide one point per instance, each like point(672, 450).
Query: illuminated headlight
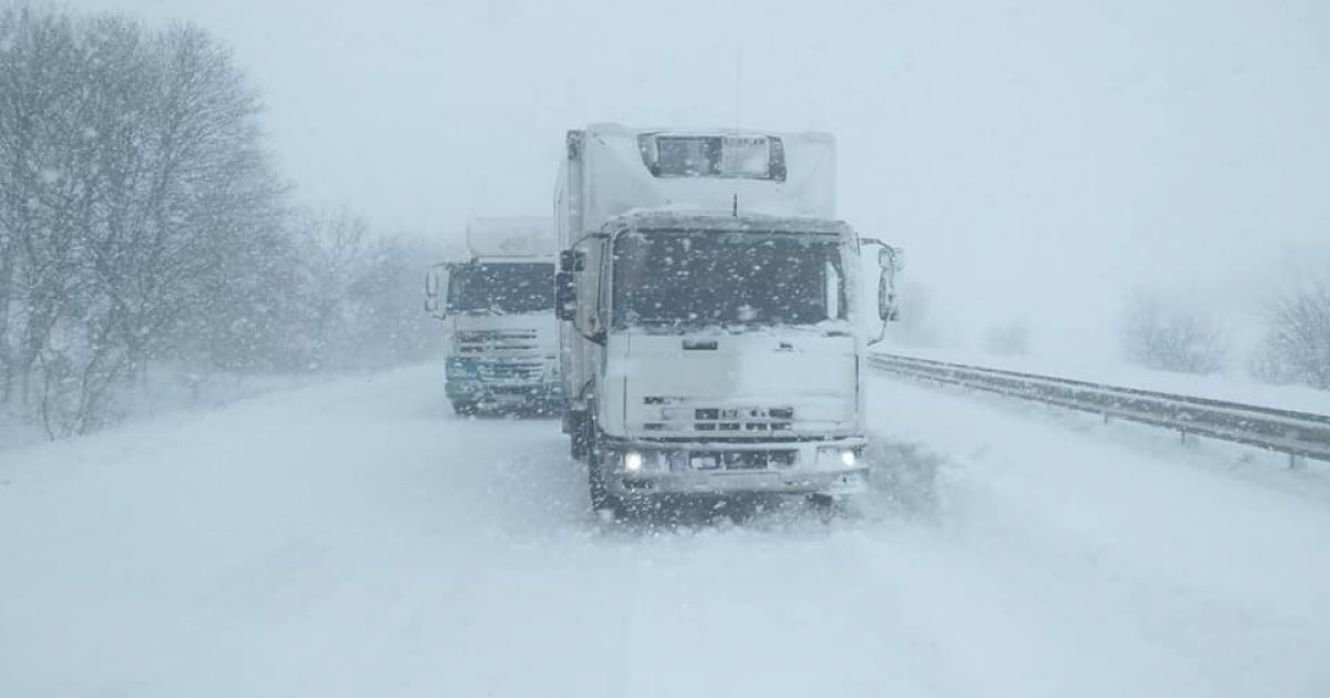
point(632, 462)
point(833, 457)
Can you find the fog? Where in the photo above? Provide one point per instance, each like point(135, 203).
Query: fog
point(280, 464)
point(1037, 160)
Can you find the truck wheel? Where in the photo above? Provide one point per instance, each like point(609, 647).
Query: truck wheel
point(601, 499)
point(578, 435)
point(596, 485)
point(464, 408)
point(605, 504)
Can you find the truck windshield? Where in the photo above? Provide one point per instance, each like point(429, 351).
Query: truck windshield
point(679, 280)
point(501, 288)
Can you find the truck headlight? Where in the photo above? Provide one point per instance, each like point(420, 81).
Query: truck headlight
point(632, 462)
point(836, 457)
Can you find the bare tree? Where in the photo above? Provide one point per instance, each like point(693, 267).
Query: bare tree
point(1170, 338)
point(42, 209)
point(189, 189)
point(359, 294)
point(336, 254)
point(390, 328)
point(135, 186)
point(141, 221)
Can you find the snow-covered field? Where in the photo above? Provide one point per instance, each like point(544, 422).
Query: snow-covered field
point(166, 390)
point(355, 539)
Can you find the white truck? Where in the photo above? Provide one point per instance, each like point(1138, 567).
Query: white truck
point(709, 339)
point(498, 304)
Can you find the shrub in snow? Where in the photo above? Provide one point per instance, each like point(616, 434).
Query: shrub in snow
point(1297, 342)
point(1171, 338)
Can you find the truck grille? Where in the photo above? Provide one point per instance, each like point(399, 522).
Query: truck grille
point(741, 460)
point(478, 342)
point(510, 371)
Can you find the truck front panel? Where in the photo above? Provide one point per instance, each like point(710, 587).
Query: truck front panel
point(498, 360)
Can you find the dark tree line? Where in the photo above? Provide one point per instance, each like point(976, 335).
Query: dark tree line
point(142, 221)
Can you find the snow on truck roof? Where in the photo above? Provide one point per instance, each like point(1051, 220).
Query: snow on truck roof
point(510, 237)
point(672, 219)
point(613, 129)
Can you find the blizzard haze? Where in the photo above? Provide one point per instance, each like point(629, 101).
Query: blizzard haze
point(1033, 157)
point(239, 458)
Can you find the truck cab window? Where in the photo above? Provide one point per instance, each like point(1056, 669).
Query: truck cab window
point(503, 288)
point(680, 280)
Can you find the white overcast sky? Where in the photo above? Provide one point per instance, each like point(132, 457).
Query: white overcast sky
point(1035, 157)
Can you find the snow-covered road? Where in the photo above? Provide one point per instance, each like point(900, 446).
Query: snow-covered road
point(355, 539)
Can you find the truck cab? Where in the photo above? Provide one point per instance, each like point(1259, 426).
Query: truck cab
point(496, 306)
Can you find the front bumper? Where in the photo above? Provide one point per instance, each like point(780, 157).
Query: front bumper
point(773, 467)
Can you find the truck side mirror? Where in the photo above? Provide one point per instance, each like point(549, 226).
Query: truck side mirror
point(433, 283)
point(572, 260)
point(887, 311)
point(565, 296)
point(889, 259)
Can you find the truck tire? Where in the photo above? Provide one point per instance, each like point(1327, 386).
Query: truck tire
point(578, 435)
point(464, 408)
point(601, 498)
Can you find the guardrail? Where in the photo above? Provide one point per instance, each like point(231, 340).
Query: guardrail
point(1298, 434)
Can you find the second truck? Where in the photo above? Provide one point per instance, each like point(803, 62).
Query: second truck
point(496, 303)
point(709, 338)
